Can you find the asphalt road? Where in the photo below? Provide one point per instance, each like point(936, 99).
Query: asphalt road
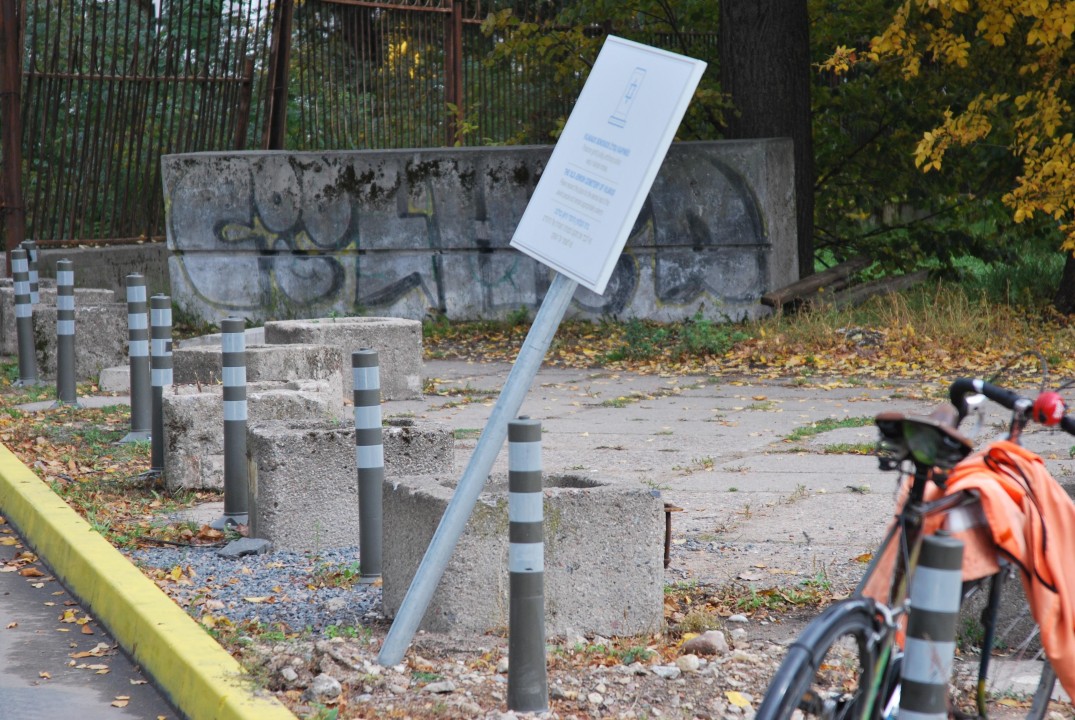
point(53, 661)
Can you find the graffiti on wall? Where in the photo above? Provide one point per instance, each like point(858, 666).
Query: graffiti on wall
point(280, 235)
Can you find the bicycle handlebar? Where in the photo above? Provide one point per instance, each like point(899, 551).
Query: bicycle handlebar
point(962, 387)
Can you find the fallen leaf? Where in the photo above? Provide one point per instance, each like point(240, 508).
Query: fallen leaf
point(736, 698)
point(87, 630)
point(98, 651)
point(12, 625)
point(31, 572)
point(45, 675)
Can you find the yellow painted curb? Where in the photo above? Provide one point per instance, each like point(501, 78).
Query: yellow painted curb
point(199, 677)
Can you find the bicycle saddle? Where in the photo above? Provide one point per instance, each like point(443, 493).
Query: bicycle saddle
point(929, 439)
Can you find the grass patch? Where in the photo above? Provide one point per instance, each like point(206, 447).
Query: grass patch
point(618, 651)
point(698, 336)
point(823, 426)
point(850, 449)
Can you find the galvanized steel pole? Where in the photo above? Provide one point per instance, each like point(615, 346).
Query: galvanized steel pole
point(66, 393)
point(455, 517)
point(138, 353)
point(369, 458)
point(528, 688)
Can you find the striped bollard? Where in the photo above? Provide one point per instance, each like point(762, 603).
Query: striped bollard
point(369, 457)
point(66, 394)
point(233, 363)
point(24, 319)
point(138, 353)
point(528, 689)
point(936, 591)
point(31, 258)
point(160, 311)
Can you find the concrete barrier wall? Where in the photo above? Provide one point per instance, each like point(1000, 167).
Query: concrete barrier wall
point(406, 233)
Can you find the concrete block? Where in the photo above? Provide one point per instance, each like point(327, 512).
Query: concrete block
point(252, 336)
point(304, 483)
point(398, 344)
point(417, 448)
point(115, 379)
point(431, 228)
point(194, 424)
point(100, 339)
point(264, 363)
point(47, 290)
point(604, 566)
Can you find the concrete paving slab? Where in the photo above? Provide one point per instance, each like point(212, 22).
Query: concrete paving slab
point(756, 508)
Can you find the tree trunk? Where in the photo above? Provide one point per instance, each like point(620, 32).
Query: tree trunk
point(1064, 300)
point(765, 69)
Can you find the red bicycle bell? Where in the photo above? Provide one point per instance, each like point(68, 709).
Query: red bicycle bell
point(1049, 408)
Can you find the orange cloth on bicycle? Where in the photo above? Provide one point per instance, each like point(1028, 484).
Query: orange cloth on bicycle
point(1032, 520)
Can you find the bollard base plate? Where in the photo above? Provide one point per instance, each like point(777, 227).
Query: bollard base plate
point(61, 404)
point(369, 580)
point(135, 436)
point(30, 382)
point(230, 521)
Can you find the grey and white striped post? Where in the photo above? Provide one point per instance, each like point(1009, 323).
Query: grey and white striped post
point(24, 318)
point(528, 689)
point(369, 458)
point(66, 394)
point(160, 318)
point(138, 354)
point(31, 258)
point(936, 591)
point(233, 363)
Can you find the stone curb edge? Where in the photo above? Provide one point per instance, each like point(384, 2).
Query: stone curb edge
point(197, 675)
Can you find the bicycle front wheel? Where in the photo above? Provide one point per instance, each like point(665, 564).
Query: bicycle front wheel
point(828, 671)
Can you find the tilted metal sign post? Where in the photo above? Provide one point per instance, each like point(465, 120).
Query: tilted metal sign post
point(577, 223)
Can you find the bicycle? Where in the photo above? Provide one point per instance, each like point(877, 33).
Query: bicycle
point(847, 662)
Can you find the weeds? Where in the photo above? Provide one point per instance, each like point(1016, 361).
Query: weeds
point(699, 336)
point(826, 425)
point(850, 449)
point(327, 575)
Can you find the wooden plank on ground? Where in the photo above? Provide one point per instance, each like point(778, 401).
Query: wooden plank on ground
point(884, 286)
point(834, 277)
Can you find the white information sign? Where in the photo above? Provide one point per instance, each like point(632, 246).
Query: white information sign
point(606, 159)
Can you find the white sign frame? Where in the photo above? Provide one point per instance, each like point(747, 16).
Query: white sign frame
point(606, 160)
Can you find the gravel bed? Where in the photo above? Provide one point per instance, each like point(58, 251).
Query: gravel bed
point(304, 591)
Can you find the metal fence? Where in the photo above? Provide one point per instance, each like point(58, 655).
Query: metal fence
point(109, 86)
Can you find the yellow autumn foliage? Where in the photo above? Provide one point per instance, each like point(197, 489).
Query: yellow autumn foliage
point(1037, 122)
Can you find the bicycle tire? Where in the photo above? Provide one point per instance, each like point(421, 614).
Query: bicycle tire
point(806, 686)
